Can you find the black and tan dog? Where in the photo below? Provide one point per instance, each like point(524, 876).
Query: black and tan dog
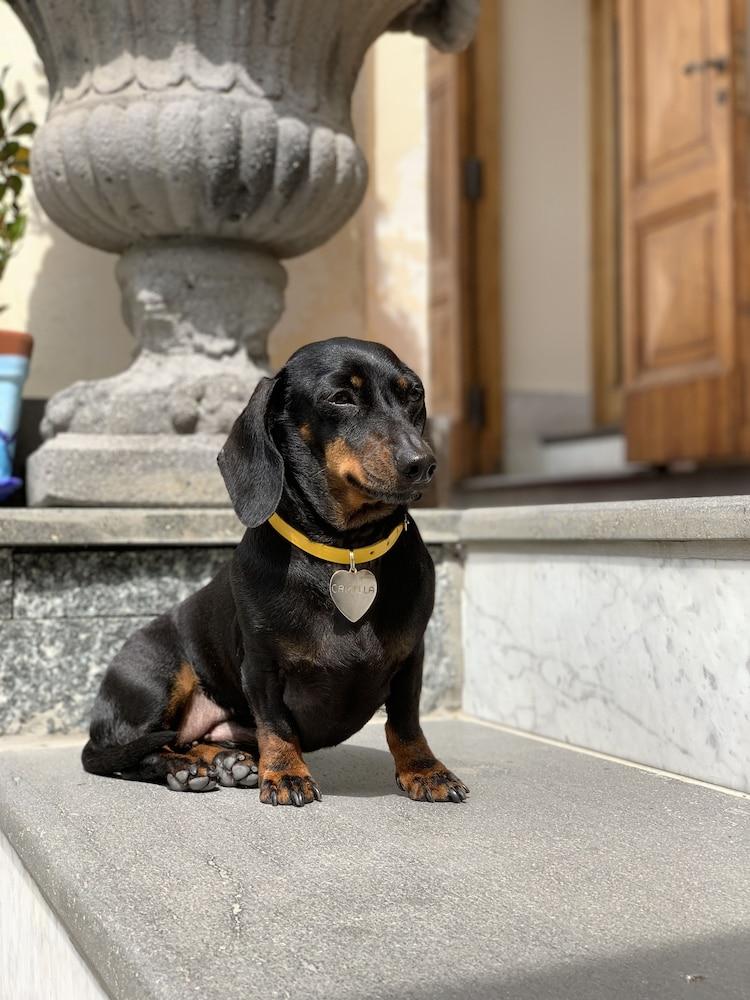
point(232, 685)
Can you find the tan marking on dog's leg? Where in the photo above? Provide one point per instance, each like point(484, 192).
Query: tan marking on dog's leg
point(199, 753)
point(284, 776)
point(183, 687)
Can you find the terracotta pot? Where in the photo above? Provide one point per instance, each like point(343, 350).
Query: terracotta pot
point(15, 352)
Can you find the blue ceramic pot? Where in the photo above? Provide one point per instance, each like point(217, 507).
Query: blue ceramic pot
point(15, 352)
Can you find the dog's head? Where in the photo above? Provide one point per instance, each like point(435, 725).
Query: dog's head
point(342, 425)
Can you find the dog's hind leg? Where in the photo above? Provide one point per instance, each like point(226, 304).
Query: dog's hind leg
point(199, 768)
point(188, 769)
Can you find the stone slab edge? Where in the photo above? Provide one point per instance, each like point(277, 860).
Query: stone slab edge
point(76, 526)
point(684, 519)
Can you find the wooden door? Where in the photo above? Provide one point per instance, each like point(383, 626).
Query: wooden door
point(464, 187)
point(684, 209)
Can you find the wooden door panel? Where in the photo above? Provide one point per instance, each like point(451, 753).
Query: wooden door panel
point(675, 106)
point(683, 420)
point(677, 288)
point(679, 229)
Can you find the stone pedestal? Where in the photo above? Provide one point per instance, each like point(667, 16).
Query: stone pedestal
point(203, 142)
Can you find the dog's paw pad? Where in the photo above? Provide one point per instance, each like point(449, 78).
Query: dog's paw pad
point(236, 770)
point(195, 778)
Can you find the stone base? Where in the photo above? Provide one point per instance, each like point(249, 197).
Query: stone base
point(66, 608)
point(127, 470)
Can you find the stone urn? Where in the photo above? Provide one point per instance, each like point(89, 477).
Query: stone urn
point(203, 142)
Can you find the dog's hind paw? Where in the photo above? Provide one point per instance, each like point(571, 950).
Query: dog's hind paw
point(192, 778)
point(236, 770)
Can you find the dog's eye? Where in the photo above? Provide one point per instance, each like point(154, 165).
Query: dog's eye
point(415, 394)
point(342, 398)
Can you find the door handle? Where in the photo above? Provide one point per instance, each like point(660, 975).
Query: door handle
point(719, 63)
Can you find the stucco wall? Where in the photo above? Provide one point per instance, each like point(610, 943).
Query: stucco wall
point(543, 54)
point(396, 233)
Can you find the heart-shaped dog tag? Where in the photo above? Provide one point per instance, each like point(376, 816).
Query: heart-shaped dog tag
point(353, 592)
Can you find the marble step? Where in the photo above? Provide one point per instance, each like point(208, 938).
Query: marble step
point(565, 877)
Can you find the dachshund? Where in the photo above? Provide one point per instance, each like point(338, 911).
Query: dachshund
point(292, 647)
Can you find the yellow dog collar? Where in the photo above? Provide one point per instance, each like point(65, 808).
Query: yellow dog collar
point(330, 553)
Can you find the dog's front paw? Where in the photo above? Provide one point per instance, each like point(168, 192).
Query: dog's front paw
point(432, 784)
point(279, 789)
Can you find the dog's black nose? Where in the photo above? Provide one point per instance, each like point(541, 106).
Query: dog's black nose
point(416, 466)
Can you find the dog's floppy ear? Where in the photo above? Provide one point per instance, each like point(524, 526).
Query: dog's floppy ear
point(250, 462)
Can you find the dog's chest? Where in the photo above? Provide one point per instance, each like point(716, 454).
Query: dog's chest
point(318, 634)
point(333, 645)
point(333, 683)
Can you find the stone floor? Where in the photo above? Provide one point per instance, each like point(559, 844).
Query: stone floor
point(565, 877)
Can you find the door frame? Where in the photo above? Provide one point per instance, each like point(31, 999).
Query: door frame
point(604, 171)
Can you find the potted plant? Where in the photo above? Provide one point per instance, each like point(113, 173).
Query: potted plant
point(15, 347)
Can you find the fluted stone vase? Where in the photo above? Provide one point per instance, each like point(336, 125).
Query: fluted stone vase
point(203, 141)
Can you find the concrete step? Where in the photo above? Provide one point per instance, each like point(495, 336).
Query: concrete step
point(605, 483)
point(565, 877)
point(590, 452)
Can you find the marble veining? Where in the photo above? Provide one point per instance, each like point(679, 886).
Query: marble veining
point(643, 658)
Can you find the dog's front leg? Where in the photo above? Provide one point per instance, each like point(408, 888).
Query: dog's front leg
point(418, 771)
point(284, 776)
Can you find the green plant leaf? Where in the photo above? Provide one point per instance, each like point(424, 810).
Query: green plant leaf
point(16, 107)
point(15, 183)
point(16, 228)
point(28, 128)
point(9, 149)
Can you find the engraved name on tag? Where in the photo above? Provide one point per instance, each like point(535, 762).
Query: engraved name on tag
point(353, 593)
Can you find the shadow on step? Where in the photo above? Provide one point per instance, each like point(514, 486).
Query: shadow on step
point(706, 968)
point(353, 771)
